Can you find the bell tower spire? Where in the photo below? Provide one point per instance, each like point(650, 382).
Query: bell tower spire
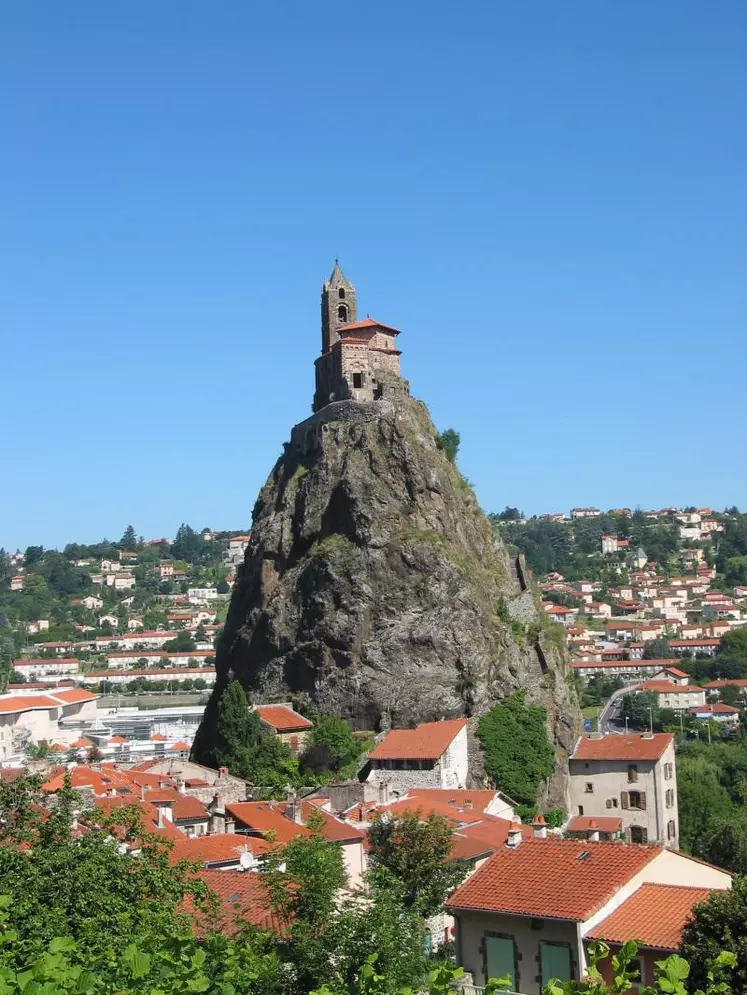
point(339, 306)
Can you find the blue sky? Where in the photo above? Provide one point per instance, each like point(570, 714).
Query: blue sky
point(548, 199)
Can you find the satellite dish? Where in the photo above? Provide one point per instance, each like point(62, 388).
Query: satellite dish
point(246, 860)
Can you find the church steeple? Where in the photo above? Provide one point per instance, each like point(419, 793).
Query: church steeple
point(339, 306)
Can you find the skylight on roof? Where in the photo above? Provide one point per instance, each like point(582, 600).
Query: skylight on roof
point(585, 855)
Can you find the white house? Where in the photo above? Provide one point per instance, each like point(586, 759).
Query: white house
point(433, 755)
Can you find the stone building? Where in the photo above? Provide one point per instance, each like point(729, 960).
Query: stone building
point(360, 359)
point(433, 755)
point(631, 778)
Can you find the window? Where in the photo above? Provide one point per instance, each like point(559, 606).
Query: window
point(633, 799)
point(589, 787)
point(342, 312)
point(638, 835)
point(671, 830)
point(632, 773)
point(635, 967)
point(341, 293)
point(580, 809)
point(500, 957)
point(670, 798)
point(357, 380)
point(668, 772)
point(555, 961)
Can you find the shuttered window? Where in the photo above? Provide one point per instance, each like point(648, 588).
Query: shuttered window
point(555, 962)
point(500, 958)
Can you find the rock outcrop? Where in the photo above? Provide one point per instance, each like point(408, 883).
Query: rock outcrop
point(373, 587)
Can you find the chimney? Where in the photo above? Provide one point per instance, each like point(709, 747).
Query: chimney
point(142, 792)
point(181, 785)
point(383, 792)
point(467, 805)
point(514, 836)
point(593, 832)
point(160, 822)
point(223, 772)
point(647, 735)
point(539, 827)
point(230, 825)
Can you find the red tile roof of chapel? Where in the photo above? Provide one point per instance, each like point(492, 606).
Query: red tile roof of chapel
point(365, 323)
point(428, 741)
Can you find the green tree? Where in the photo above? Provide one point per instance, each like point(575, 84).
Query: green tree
point(658, 649)
point(33, 555)
point(417, 852)
point(332, 747)
point(128, 541)
point(181, 643)
point(518, 752)
point(641, 709)
point(703, 802)
point(223, 587)
point(718, 924)
point(448, 442)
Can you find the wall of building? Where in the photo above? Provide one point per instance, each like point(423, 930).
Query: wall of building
point(472, 928)
point(609, 779)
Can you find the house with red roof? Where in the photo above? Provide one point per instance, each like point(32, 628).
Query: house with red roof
point(280, 822)
point(432, 755)
point(726, 715)
point(284, 721)
point(631, 778)
point(528, 912)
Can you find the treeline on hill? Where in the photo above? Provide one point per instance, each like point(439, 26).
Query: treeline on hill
point(81, 915)
point(573, 548)
point(53, 579)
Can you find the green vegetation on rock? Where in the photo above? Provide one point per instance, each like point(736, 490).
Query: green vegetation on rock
point(518, 752)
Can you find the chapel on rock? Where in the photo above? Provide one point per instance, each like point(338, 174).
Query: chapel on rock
point(360, 359)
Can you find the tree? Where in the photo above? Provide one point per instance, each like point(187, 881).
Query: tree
point(181, 643)
point(718, 924)
point(332, 747)
point(641, 709)
point(417, 852)
point(518, 752)
point(657, 649)
point(448, 442)
point(33, 555)
point(731, 695)
point(732, 652)
point(65, 884)
point(223, 587)
point(128, 541)
point(188, 544)
point(703, 802)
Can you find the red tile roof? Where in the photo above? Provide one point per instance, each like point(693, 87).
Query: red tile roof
point(243, 899)
point(188, 808)
point(666, 687)
point(27, 702)
point(226, 848)
point(365, 323)
point(75, 695)
point(428, 741)
point(654, 915)
point(630, 746)
point(552, 879)
point(717, 708)
point(266, 817)
point(282, 718)
point(588, 823)
point(460, 799)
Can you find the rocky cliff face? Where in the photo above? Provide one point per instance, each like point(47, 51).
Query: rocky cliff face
point(374, 587)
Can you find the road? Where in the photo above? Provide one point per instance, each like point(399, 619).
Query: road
point(610, 714)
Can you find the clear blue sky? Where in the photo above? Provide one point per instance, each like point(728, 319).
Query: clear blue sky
point(547, 198)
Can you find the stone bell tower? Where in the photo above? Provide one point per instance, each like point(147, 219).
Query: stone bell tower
point(338, 306)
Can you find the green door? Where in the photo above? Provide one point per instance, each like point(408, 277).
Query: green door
point(555, 962)
point(499, 951)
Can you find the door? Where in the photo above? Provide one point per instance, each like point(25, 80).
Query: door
point(555, 962)
point(500, 958)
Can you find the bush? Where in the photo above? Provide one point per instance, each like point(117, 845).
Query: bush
point(518, 752)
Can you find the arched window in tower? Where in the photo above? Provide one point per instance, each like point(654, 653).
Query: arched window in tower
point(342, 312)
point(341, 293)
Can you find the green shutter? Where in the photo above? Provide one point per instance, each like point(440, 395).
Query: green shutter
point(555, 962)
point(499, 953)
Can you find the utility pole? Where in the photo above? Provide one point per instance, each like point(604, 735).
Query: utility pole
point(651, 720)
